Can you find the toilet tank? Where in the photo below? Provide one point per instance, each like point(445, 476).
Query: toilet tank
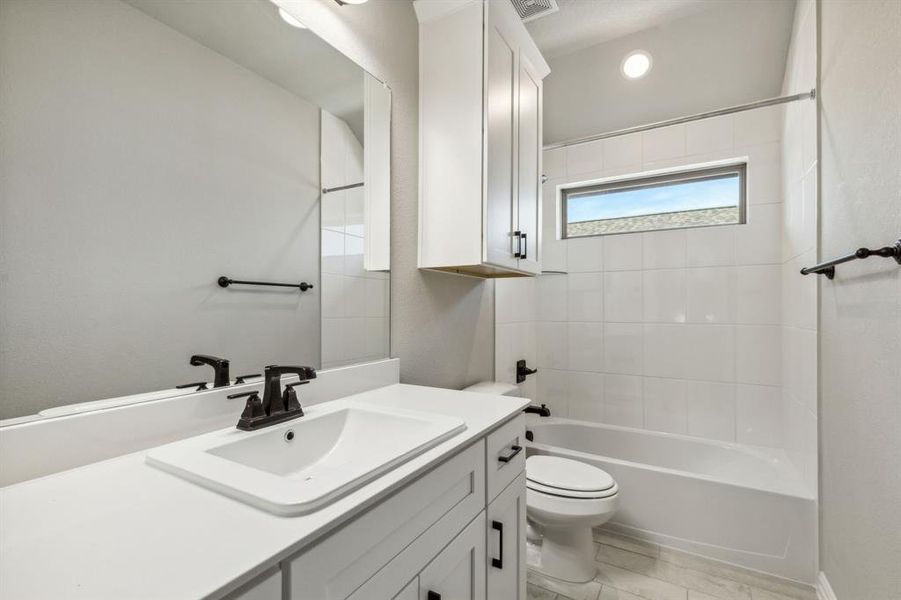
point(494, 387)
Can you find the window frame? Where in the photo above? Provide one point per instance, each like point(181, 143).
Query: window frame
point(659, 180)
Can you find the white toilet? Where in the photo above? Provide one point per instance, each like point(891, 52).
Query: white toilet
point(565, 498)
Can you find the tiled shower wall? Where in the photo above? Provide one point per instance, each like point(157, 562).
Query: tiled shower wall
point(799, 248)
point(354, 301)
point(678, 331)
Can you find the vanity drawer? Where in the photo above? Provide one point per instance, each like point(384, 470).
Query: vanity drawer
point(503, 461)
point(451, 494)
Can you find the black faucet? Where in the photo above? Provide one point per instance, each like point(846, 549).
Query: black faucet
point(541, 411)
point(275, 407)
point(220, 367)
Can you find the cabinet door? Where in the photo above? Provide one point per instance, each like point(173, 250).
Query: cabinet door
point(458, 572)
point(500, 209)
point(529, 166)
point(506, 547)
point(410, 591)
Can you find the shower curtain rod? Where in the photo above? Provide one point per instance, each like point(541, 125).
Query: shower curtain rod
point(811, 95)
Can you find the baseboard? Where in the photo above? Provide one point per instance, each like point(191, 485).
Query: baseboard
point(824, 590)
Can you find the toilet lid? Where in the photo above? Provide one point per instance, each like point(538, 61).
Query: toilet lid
point(537, 487)
point(554, 472)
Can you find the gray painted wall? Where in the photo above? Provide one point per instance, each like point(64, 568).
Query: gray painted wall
point(860, 322)
point(728, 55)
point(442, 326)
point(138, 166)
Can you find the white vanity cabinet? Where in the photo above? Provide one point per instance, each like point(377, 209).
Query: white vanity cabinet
point(441, 534)
point(480, 104)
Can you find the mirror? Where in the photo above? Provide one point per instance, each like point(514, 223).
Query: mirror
point(152, 148)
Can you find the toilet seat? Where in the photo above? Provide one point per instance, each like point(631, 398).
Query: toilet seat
point(576, 495)
point(567, 478)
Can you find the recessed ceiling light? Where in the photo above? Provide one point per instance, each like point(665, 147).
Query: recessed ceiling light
point(290, 19)
point(636, 64)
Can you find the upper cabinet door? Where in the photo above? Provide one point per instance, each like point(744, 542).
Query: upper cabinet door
point(501, 244)
point(529, 166)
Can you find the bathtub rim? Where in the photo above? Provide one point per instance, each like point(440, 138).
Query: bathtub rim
point(763, 452)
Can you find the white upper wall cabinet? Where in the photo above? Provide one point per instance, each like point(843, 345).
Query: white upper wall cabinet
point(480, 139)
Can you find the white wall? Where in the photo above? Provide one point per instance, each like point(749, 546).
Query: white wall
point(441, 325)
point(354, 301)
point(675, 331)
point(860, 324)
point(138, 166)
point(727, 54)
point(799, 249)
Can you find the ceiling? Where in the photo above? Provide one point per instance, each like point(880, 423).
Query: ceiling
point(252, 34)
point(582, 23)
point(706, 56)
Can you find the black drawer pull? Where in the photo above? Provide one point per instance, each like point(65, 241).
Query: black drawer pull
point(433, 595)
point(498, 563)
point(514, 450)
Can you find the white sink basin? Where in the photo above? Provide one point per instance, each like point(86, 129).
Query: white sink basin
point(301, 465)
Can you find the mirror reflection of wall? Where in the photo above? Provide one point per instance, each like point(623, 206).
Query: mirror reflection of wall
point(149, 148)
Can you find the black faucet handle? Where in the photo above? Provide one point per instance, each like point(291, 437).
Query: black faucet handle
point(200, 385)
point(243, 378)
point(253, 409)
point(301, 382)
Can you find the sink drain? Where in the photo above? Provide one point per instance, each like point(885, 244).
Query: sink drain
point(289, 435)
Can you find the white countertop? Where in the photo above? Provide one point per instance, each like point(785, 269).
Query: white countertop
point(123, 529)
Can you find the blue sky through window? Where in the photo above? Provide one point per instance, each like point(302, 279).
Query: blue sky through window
point(674, 197)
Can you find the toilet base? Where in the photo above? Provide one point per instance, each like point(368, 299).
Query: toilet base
point(567, 553)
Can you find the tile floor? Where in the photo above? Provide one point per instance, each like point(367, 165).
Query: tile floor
point(630, 569)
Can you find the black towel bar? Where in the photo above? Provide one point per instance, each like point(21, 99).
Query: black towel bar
point(302, 286)
point(828, 268)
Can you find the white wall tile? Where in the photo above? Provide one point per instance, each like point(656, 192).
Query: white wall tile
point(586, 297)
point(553, 390)
point(333, 292)
point(355, 301)
point(332, 340)
point(554, 163)
point(332, 252)
point(623, 348)
point(353, 256)
point(758, 354)
point(665, 350)
point(664, 296)
point(757, 295)
point(710, 352)
point(622, 151)
point(664, 405)
point(377, 291)
point(552, 298)
point(353, 211)
point(623, 403)
point(758, 242)
point(504, 353)
point(586, 396)
point(585, 254)
point(710, 410)
point(664, 249)
point(623, 252)
point(623, 297)
point(332, 211)
point(586, 347)
point(552, 345)
point(711, 295)
point(758, 415)
point(758, 126)
point(711, 246)
point(710, 135)
point(663, 143)
point(765, 182)
point(376, 337)
point(584, 158)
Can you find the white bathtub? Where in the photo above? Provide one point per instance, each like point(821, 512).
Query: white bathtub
point(743, 505)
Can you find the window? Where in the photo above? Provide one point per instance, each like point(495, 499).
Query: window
point(698, 198)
